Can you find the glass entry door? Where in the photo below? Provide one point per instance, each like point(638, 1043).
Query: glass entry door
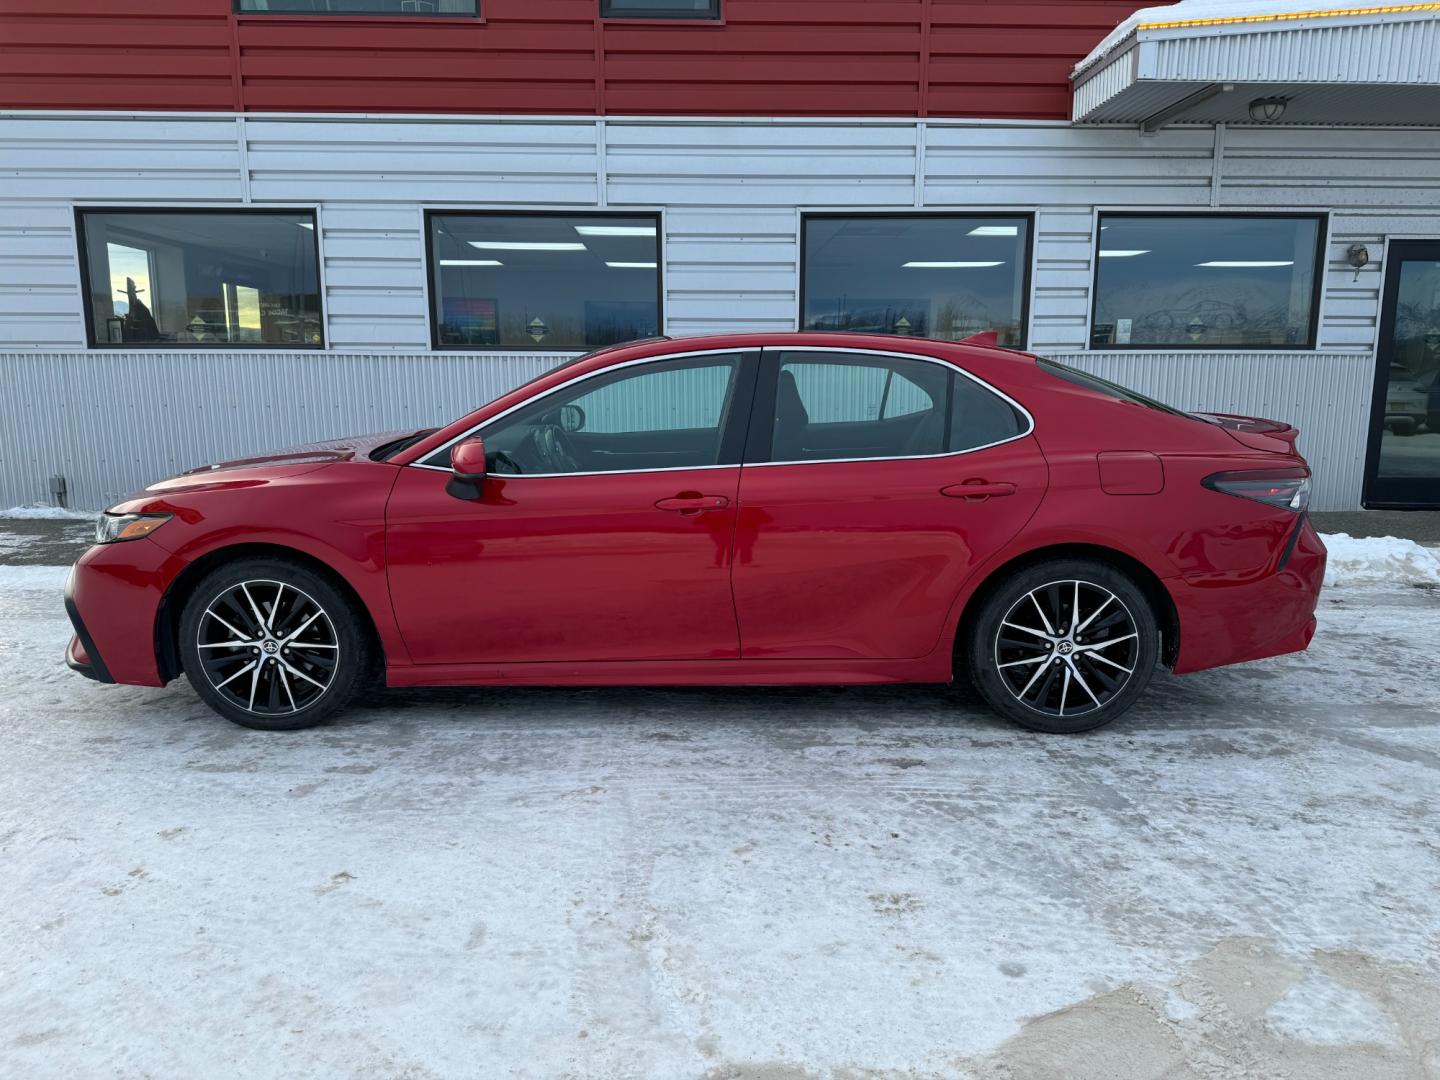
point(1402, 468)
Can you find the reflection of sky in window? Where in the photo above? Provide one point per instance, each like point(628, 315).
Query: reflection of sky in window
point(940, 276)
point(128, 262)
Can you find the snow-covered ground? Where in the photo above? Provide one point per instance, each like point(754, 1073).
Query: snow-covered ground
point(46, 513)
point(1239, 879)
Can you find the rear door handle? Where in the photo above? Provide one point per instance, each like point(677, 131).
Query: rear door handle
point(686, 503)
point(977, 490)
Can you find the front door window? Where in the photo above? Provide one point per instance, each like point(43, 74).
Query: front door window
point(665, 415)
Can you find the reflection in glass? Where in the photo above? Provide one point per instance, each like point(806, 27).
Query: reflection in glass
point(1410, 441)
point(933, 276)
point(1205, 280)
point(179, 278)
point(544, 281)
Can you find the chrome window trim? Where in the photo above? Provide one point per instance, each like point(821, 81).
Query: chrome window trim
point(850, 350)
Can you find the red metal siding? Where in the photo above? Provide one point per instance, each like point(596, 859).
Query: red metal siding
point(969, 58)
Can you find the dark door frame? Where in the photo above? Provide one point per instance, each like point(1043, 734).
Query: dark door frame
point(1396, 493)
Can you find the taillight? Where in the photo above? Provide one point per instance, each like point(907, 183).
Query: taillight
point(1284, 489)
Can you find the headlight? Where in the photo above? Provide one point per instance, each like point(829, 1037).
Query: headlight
point(113, 528)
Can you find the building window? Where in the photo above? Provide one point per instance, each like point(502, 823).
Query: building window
point(358, 7)
point(1207, 281)
point(660, 9)
point(188, 278)
point(917, 275)
point(543, 281)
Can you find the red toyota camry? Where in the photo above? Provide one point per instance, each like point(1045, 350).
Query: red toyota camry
point(752, 509)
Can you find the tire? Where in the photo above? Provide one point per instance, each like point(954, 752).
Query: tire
point(1019, 669)
point(224, 634)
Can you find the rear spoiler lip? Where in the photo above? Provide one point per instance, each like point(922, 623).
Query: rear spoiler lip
point(1258, 433)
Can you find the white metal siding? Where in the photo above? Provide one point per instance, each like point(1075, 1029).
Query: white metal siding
point(112, 422)
point(731, 193)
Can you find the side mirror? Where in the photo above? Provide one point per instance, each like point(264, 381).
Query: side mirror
point(467, 469)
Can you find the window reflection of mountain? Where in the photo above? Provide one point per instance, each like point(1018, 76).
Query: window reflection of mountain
point(1217, 321)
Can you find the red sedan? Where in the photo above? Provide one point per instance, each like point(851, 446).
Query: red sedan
point(752, 509)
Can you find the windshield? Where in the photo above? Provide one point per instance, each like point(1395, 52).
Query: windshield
point(1106, 387)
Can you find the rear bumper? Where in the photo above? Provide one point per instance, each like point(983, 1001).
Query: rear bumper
point(113, 596)
point(1232, 621)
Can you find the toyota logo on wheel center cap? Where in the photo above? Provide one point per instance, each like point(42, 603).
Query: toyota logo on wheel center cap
point(1066, 648)
point(271, 648)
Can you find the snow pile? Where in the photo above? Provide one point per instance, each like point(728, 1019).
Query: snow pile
point(47, 513)
point(1382, 560)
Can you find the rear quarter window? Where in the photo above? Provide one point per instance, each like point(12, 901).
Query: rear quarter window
point(1105, 386)
point(979, 417)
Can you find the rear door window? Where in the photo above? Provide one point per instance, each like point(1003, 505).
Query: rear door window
point(844, 407)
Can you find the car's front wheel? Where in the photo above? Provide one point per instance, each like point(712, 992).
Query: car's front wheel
point(271, 644)
point(1063, 646)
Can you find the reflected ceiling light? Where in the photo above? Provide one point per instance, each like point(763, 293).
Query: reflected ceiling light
point(524, 245)
point(995, 230)
point(615, 230)
point(632, 266)
point(306, 225)
point(1117, 253)
point(949, 265)
point(470, 262)
point(1242, 264)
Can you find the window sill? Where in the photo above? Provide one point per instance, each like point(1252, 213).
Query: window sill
point(506, 350)
point(349, 19)
point(196, 346)
point(1188, 348)
point(656, 20)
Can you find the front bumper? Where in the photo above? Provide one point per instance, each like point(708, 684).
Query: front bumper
point(81, 655)
point(113, 597)
point(1231, 622)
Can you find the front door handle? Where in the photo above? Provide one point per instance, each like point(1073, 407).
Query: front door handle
point(977, 490)
point(689, 503)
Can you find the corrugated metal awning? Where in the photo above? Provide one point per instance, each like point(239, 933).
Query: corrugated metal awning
point(1207, 61)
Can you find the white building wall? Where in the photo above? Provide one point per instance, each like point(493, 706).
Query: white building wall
point(731, 194)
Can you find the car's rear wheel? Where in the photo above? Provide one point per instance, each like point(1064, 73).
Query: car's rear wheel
point(271, 644)
point(1063, 646)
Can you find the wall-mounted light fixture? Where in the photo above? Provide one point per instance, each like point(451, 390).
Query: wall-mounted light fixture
point(1266, 110)
point(1358, 256)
